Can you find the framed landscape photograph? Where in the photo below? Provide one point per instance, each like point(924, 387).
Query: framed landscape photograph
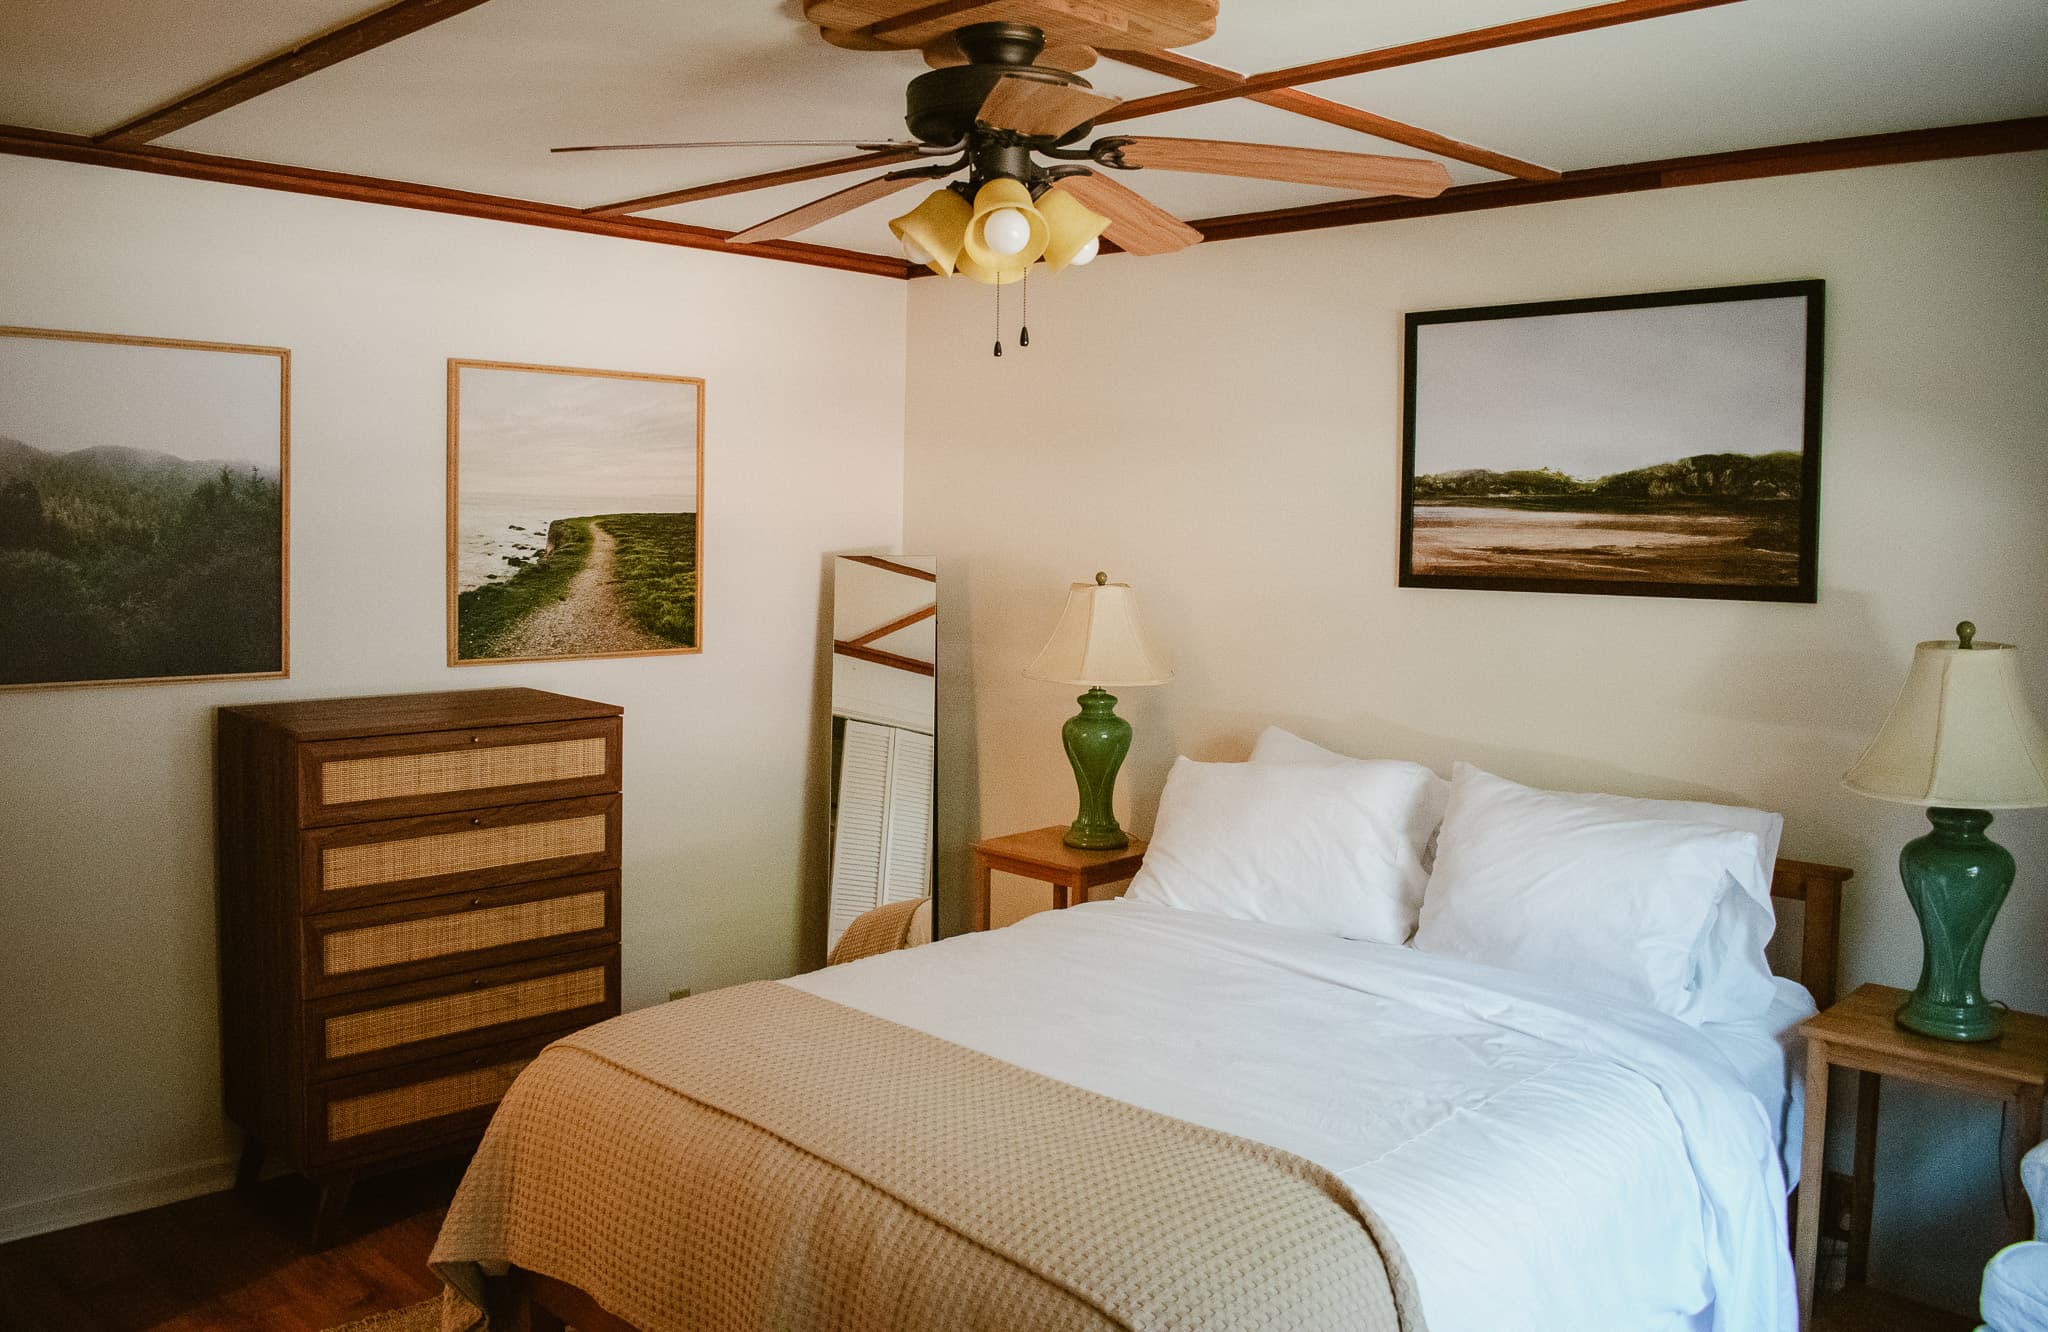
point(144, 509)
point(573, 505)
point(1663, 445)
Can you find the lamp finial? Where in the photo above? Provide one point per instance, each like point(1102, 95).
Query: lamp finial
point(1966, 633)
point(1102, 580)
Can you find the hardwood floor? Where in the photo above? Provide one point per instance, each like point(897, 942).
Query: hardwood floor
point(232, 1262)
point(1862, 1309)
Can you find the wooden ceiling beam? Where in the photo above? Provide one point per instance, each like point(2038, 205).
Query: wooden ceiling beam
point(22, 142)
point(1410, 53)
point(1203, 74)
point(308, 57)
point(762, 181)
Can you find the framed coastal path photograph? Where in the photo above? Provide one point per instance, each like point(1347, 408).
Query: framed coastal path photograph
point(1662, 445)
point(574, 499)
point(144, 509)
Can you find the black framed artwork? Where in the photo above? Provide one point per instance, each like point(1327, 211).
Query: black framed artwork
point(1663, 445)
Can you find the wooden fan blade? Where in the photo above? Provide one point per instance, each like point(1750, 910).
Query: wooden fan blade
point(1367, 173)
point(827, 208)
point(870, 145)
point(1046, 110)
point(1136, 224)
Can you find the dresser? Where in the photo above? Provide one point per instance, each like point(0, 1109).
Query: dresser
point(416, 893)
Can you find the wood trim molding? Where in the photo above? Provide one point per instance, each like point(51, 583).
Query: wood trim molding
point(877, 562)
point(1791, 159)
point(761, 181)
point(1409, 53)
point(881, 658)
point(430, 198)
point(882, 631)
point(308, 57)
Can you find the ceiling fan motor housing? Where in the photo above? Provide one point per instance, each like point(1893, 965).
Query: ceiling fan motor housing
point(942, 103)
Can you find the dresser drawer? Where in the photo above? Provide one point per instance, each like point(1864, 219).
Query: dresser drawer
point(371, 1028)
point(393, 776)
point(413, 1105)
point(412, 940)
point(353, 864)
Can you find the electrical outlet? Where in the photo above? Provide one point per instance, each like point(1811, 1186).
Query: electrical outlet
point(683, 993)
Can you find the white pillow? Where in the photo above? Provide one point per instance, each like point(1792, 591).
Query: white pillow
point(1560, 885)
point(1278, 746)
point(1333, 848)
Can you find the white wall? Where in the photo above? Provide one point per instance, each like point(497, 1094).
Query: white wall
point(109, 1086)
point(1222, 429)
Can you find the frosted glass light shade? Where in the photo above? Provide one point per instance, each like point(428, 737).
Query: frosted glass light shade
point(936, 226)
point(1073, 226)
point(1099, 642)
point(1961, 735)
point(998, 196)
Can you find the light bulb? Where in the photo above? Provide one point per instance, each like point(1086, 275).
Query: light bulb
point(1006, 231)
point(914, 252)
point(1087, 252)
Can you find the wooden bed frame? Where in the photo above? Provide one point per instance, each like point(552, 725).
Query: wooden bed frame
point(537, 1303)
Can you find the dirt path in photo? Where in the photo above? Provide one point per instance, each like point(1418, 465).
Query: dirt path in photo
point(589, 619)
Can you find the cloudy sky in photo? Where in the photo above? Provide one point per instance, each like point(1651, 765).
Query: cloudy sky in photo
point(1606, 391)
point(566, 437)
point(61, 396)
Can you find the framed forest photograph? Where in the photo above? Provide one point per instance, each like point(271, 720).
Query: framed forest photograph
point(144, 509)
point(574, 499)
point(1663, 445)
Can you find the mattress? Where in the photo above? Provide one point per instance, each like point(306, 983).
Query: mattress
point(1545, 1158)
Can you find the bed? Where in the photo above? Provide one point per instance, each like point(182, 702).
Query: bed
point(1514, 1152)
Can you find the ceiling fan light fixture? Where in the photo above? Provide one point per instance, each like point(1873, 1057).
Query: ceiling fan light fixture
point(998, 251)
point(936, 228)
point(990, 275)
point(1073, 227)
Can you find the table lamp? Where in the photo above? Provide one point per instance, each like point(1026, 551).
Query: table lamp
point(1096, 643)
point(1961, 741)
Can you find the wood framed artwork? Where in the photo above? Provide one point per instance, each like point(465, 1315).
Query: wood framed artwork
point(145, 509)
point(1663, 445)
point(574, 508)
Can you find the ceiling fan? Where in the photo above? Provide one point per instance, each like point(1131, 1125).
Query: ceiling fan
point(996, 114)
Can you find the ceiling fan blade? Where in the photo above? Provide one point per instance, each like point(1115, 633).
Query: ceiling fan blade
point(1047, 110)
point(830, 206)
point(870, 146)
point(1367, 173)
point(1136, 224)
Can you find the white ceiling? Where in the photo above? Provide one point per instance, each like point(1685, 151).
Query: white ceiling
point(474, 102)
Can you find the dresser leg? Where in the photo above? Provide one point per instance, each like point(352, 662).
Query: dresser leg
point(334, 1191)
point(250, 1168)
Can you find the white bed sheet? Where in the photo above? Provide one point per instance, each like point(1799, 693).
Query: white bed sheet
point(1547, 1159)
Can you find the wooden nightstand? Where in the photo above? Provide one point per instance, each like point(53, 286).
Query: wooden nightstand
point(1040, 854)
point(1859, 1033)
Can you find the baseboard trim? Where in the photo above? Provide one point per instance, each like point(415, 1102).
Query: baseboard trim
point(42, 1215)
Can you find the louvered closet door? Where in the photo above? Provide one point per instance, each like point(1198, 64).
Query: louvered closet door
point(881, 850)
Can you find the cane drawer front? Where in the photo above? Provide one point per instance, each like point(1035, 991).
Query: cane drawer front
point(415, 1104)
point(354, 864)
point(396, 776)
point(372, 1028)
point(377, 946)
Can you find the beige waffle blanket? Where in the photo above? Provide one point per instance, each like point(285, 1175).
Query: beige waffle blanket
point(762, 1159)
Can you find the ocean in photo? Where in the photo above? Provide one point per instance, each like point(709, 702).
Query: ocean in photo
point(491, 530)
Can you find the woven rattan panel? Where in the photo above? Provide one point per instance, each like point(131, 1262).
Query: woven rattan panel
point(397, 1106)
point(470, 1010)
point(459, 852)
point(391, 945)
point(392, 776)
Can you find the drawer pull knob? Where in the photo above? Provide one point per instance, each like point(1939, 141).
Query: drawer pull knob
point(476, 901)
point(477, 822)
point(475, 739)
point(475, 982)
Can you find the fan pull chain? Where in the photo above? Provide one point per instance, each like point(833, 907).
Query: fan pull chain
point(999, 319)
point(1024, 327)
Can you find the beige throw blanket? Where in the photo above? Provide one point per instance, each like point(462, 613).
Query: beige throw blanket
point(758, 1158)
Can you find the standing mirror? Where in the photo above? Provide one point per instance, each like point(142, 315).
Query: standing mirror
point(884, 719)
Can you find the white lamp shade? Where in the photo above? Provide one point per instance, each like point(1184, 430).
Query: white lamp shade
point(1961, 734)
point(1098, 641)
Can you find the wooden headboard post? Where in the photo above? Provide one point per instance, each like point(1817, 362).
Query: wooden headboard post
point(1820, 938)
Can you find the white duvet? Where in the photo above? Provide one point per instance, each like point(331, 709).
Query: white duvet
point(1548, 1160)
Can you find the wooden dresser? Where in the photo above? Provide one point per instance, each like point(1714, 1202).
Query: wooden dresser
point(416, 892)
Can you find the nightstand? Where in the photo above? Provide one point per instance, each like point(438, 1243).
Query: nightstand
point(1859, 1033)
point(1040, 854)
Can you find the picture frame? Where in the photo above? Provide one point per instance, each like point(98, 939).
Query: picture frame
point(575, 507)
point(145, 510)
point(1664, 444)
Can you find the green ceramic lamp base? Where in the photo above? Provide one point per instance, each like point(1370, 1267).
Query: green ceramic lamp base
point(1096, 740)
point(1956, 879)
